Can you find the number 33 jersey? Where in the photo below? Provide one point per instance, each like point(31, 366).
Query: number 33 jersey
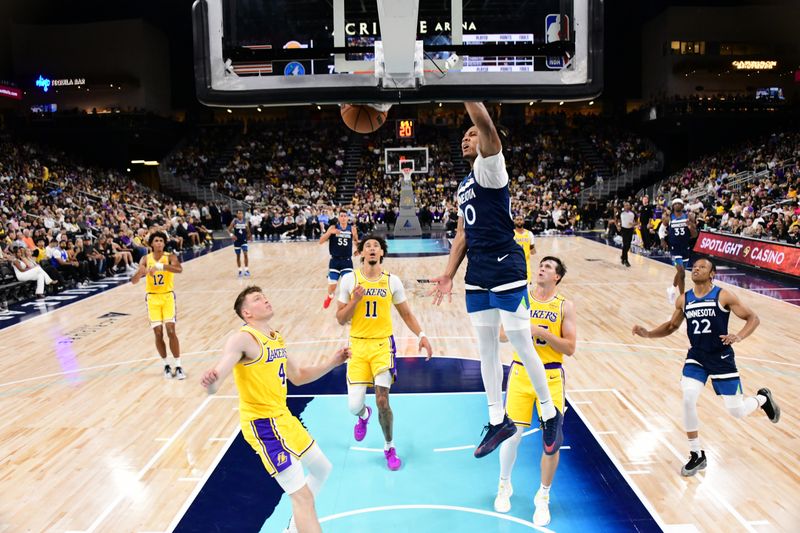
point(262, 382)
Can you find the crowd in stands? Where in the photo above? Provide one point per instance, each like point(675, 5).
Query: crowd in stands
point(749, 189)
point(63, 224)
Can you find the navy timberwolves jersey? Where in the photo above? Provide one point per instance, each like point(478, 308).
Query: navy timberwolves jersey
point(488, 225)
point(706, 320)
point(679, 236)
point(240, 231)
point(341, 245)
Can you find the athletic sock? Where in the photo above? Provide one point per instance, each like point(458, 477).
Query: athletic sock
point(388, 445)
point(694, 445)
point(761, 399)
point(544, 490)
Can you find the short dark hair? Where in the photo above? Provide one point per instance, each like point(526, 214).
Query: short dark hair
point(157, 234)
point(237, 305)
point(381, 241)
point(561, 269)
point(710, 262)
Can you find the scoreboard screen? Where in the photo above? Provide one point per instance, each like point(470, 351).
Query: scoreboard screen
point(405, 128)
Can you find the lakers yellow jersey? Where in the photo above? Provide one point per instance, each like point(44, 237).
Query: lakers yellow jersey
point(548, 315)
point(372, 318)
point(159, 282)
point(524, 239)
point(262, 382)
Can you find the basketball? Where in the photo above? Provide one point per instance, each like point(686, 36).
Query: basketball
point(363, 118)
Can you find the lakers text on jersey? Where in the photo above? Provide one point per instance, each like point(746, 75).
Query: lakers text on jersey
point(520, 395)
point(371, 341)
point(160, 298)
point(276, 435)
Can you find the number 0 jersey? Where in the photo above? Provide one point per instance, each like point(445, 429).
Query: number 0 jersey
point(160, 282)
point(706, 320)
point(262, 382)
point(548, 315)
point(486, 211)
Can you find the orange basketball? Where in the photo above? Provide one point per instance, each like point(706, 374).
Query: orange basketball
point(362, 118)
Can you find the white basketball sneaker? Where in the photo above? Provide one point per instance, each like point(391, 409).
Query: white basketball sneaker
point(541, 516)
point(502, 503)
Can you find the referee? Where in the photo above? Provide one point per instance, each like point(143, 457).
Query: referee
point(626, 219)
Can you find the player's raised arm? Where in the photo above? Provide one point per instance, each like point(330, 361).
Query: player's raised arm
point(488, 140)
point(730, 301)
point(239, 345)
point(667, 328)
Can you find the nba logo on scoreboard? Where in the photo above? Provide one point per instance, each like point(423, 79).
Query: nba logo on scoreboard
point(552, 31)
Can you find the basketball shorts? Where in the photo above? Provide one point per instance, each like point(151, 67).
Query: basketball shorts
point(369, 358)
point(338, 267)
point(510, 300)
point(238, 247)
point(161, 308)
point(521, 396)
point(719, 366)
point(499, 271)
point(278, 441)
point(681, 258)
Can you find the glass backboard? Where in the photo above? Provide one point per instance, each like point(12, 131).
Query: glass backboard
point(277, 52)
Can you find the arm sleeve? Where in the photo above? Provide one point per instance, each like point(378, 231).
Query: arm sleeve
point(490, 172)
point(346, 286)
point(398, 291)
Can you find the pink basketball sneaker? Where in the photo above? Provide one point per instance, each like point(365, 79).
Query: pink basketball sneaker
point(392, 461)
point(360, 429)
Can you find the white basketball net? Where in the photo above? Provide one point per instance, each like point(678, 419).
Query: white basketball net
point(406, 173)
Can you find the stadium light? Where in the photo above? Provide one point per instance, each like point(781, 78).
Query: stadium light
point(561, 102)
point(137, 161)
point(259, 109)
point(229, 111)
point(591, 103)
point(151, 163)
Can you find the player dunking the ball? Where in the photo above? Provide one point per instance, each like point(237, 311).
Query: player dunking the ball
point(707, 309)
point(553, 327)
point(160, 268)
point(239, 230)
point(496, 279)
point(341, 237)
point(366, 296)
point(256, 354)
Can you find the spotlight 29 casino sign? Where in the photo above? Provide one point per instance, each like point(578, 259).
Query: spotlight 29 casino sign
point(774, 256)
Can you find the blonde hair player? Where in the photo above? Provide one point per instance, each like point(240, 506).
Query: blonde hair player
point(160, 268)
point(707, 309)
point(366, 296)
point(256, 354)
point(496, 279)
point(554, 331)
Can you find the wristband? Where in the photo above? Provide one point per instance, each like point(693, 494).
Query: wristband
point(159, 266)
point(421, 334)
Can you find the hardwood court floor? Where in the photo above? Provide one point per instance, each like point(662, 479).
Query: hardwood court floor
point(94, 439)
